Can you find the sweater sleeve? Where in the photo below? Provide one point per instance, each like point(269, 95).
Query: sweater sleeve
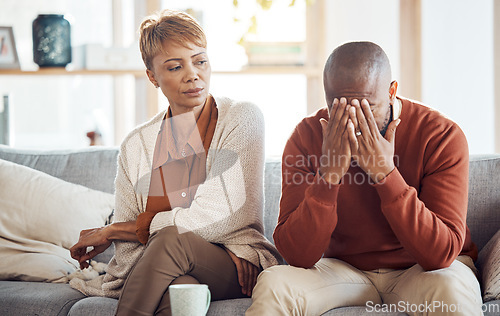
point(430, 222)
point(308, 208)
point(126, 253)
point(227, 207)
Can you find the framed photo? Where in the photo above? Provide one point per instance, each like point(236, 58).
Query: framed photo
point(8, 52)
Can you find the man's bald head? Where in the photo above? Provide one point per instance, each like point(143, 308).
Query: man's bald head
point(361, 70)
point(354, 65)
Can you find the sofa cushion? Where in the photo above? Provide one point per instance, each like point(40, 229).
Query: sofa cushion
point(102, 306)
point(34, 298)
point(491, 308)
point(489, 264)
point(92, 167)
point(229, 307)
point(40, 219)
point(359, 311)
point(272, 189)
point(483, 215)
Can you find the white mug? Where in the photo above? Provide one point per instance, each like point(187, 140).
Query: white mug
point(189, 299)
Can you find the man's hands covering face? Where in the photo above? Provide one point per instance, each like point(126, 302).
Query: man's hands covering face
point(342, 141)
point(373, 152)
point(336, 151)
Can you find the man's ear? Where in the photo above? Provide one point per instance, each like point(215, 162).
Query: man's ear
point(151, 77)
point(392, 91)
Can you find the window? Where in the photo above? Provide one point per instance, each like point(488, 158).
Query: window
point(60, 109)
point(282, 97)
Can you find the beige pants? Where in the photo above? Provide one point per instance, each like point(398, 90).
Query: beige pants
point(171, 258)
point(331, 283)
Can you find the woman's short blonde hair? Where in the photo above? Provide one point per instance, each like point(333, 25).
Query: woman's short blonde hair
point(168, 25)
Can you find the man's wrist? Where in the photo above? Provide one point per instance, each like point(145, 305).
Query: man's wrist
point(381, 174)
point(330, 177)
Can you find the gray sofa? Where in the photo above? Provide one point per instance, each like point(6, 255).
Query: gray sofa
point(95, 167)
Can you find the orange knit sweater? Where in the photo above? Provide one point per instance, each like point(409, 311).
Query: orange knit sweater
point(418, 215)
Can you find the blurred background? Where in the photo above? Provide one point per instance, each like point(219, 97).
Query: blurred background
point(445, 53)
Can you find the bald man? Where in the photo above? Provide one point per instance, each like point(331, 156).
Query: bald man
point(374, 202)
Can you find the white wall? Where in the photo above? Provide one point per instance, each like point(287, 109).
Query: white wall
point(457, 55)
point(457, 58)
point(364, 20)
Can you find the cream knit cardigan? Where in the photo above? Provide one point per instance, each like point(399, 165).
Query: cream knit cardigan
point(227, 208)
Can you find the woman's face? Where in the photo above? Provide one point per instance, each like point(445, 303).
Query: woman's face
point(183, 75)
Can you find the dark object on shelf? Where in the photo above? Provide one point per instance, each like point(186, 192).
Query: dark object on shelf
point(95, 138)
point(51, 40)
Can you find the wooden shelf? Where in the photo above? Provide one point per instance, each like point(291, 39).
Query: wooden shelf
point(301, 70)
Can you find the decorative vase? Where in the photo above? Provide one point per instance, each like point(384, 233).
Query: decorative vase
point(51, 40)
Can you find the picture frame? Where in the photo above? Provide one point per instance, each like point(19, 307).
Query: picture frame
point(8, 52)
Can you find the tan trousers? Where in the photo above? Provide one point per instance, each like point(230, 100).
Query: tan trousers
point(170, 258)
point(331, 283)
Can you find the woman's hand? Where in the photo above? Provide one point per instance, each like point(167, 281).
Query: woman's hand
point(100, 239)
point(247, 273)
point(96, 238)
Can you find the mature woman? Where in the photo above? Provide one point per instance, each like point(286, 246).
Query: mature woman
point(189, 194)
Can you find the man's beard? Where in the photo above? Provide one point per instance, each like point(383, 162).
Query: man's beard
point(388, 120)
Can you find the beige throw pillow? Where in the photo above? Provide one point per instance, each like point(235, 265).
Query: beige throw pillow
point(40, 219)
point(489, 263)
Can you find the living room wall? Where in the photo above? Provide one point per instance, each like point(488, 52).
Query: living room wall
point(456, 57)
point(456, 68)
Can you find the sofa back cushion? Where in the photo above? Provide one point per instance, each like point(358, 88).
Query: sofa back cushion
point(93, 167)
point(483, 215)
point(272, 189)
